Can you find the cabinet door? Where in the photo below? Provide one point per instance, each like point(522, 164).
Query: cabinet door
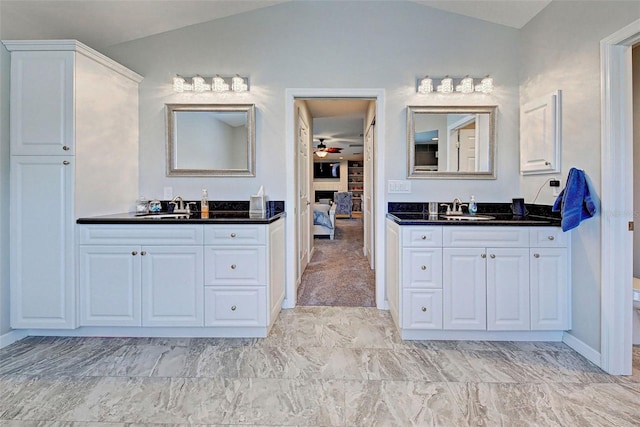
point(41, 240)
point(549, 289)
point(422, 268)
point(109, 284)
point(422, 309)
point(172, 286)
point(42, 91)
point(464, 288)
point(508, 289)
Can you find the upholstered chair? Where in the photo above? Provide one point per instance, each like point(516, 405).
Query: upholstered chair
point(344, 202)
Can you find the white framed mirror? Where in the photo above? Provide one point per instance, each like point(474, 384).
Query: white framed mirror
point(210, 139)
point(448, 142)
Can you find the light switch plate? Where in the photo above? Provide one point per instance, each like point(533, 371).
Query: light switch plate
point(398, 186)
point(168, 193)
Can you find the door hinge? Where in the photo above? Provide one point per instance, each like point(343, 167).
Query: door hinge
point(630, 225)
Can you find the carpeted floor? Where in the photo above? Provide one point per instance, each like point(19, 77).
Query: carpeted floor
point(338, 274)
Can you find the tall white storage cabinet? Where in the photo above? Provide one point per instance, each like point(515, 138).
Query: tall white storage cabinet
point(74, 153)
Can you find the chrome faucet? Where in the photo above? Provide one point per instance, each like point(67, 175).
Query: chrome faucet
point(178, 205)
point(455, 208)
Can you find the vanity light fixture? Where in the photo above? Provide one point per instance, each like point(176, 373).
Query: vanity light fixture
point(467, 85)
point(218, 84)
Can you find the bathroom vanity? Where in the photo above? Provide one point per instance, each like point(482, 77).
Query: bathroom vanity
point(218, 276)
point(505, 278)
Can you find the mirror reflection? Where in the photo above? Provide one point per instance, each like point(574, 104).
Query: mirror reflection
point(210, 140)
point(451, 142)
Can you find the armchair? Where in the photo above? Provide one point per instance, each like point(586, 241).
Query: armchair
point(344, 202)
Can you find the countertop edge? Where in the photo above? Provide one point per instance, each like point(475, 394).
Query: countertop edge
point(129, 218)
point(527, 222)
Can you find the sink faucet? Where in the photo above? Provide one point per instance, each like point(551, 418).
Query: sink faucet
point(455, 208)
point(178, 204)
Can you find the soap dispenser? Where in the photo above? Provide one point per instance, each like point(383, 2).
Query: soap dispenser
point(473, 206)
point(204, 204)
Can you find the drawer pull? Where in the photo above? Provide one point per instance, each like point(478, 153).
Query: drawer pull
point(143, 253)
point(65, 162)
point(233, 235)
point(483, 255)
point(492, 255)
point(536, 255)
point(134, 253)
point(233, 308)
point(551, 238)
point(423, 237)
point(65, 148)
point(424, 267)
point(424, 309)
point(233, 266)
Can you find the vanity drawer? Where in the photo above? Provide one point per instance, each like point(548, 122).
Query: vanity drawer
point(166, 234)
point(482, 237)
point(548, 237)
point(421, 236)
point(237, 265)
point(235, 306)
point(243, 234)
point(422, 268)
point(422, 309)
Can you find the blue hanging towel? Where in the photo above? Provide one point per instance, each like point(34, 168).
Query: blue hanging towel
point(574, 202)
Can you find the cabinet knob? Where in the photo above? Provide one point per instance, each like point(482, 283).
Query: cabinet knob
point(536, 255)
point(492, 255)
point(233, 308)
point(65, 148)
point(134, 253)
point(233, 235)
point(424, 309)
point(233, 266)
point(483, 255)
point(547, 163)
point(424, 267)
point(65, 162)
point(423, 237)
point(143, 253)
point(551, 238)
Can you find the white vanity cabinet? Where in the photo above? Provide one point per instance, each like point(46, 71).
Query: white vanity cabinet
point(74, 151)
point(244, 276)
point(472, 282)
point(141, 275)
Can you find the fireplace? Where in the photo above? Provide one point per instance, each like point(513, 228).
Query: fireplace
point(324, 194)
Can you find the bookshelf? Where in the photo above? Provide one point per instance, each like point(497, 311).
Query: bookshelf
point(356, 182)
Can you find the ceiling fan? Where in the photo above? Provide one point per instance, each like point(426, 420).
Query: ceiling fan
point(322, 150)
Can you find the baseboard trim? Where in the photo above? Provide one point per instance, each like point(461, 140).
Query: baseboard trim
point(12, 336)
point(587, 352)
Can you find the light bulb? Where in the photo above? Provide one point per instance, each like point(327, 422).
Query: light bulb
point(446, 85)
point(238, 84)
point(426, 86)
point(485, 86)
point(219, 85)
point(199, 84)
point(178, 84)
point(466, 85)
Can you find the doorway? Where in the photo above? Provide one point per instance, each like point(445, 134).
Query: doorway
point(339, 272)
point(376, 205)
point(617, 199)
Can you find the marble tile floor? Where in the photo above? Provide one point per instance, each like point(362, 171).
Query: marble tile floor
point(320, 366)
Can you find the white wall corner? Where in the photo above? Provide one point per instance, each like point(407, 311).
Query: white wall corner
point(579, 346)
point(12, 336)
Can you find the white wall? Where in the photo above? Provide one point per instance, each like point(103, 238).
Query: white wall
point(336, 45)
point(560, 49)
point(4, 189)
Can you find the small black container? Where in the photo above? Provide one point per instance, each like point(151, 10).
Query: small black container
point(518, 208)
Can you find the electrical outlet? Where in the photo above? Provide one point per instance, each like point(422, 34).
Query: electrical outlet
point(555, 184)
point(168, 193)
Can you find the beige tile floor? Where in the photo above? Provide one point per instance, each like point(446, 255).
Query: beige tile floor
point(320, 366)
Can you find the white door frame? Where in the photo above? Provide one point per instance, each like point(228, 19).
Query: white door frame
point(379, 188)
point(616, 251)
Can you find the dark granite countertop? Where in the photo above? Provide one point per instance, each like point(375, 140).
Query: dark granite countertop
point(219, 213)
point(417, 214)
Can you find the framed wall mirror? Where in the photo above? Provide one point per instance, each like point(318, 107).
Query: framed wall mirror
point(210, 139)
point(451, 142)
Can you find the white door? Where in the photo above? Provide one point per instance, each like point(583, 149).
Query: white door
point(549, 289)
point(42, 250)
point(368, 199)
point(172, 285)
point(467, 150)
point(464, 288)
point(304, 220)
point(109, 283)
point(42, 87)
point(508, 289)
